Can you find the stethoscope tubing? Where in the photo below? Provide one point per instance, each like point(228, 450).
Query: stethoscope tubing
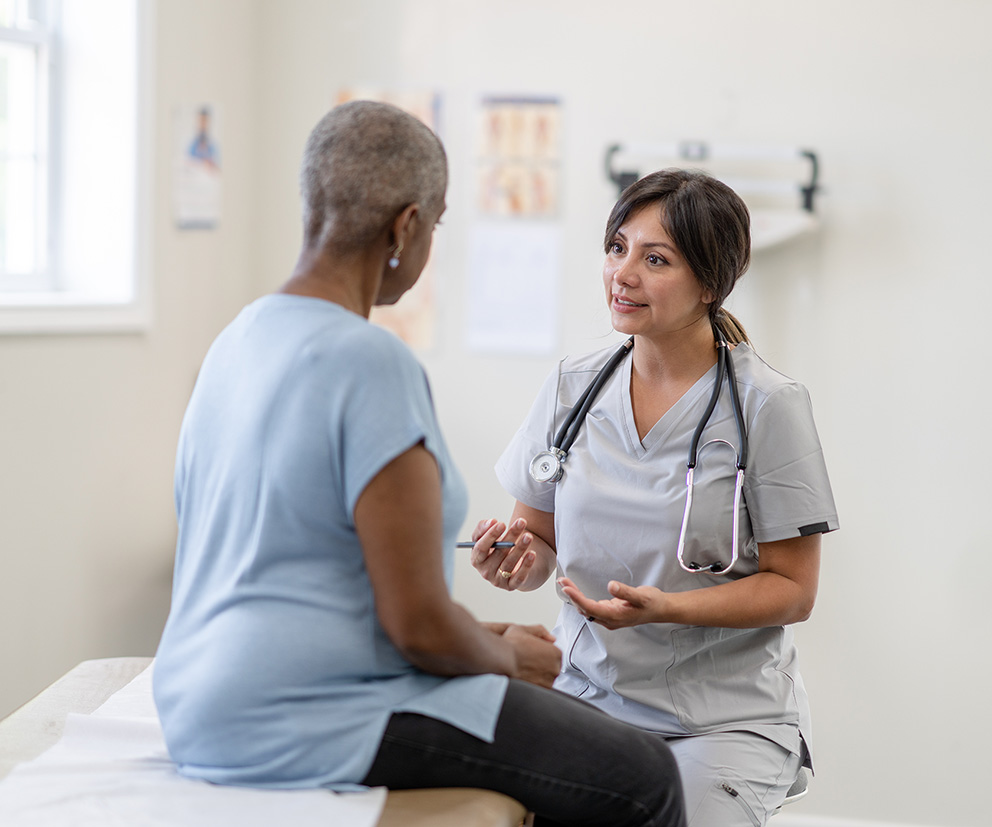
point(564, 438)
point(547, 466)
point(725, 368)
point(735, 399)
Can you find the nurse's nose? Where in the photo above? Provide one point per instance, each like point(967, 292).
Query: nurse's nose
point(626, 273)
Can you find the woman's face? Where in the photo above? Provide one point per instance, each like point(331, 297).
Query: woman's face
point(650, 289)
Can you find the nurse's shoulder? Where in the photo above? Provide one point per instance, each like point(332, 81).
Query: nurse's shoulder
point(585, 362)
point(754, 371)
point(764, 388)
point(575, 373)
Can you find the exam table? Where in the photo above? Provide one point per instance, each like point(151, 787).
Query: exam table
point(38, 725)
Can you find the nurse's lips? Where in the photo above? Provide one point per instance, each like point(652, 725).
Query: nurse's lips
point(625, 305)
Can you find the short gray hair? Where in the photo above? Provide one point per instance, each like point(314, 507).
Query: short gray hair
point(363, 164)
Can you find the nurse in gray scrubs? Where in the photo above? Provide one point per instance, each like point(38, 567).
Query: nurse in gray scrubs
point(704, 658)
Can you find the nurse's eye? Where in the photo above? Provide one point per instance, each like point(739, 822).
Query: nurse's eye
point(616, 248)
point(654, 259)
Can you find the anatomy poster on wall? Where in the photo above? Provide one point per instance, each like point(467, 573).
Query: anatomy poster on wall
point(412, 319)
point(196, 167)
point(514, 247)
point(519, 156)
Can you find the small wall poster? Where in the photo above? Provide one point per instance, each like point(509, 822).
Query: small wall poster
point(196, 167)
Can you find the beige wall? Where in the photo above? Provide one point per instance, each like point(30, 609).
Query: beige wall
point(89, 423)
point(873, 314)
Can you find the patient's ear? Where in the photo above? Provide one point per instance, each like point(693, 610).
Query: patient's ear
point(405, 224)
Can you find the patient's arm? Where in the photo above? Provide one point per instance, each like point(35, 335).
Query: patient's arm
point(398, 519)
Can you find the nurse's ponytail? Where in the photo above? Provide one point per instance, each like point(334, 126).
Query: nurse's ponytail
point(708, 222)
point(730, 328)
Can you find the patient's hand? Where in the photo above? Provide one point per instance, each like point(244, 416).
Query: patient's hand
point(538, 660)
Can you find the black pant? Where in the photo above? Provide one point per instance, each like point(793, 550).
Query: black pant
point(561, 758)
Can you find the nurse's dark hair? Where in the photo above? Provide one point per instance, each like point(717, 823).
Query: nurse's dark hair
point(709, 224)
point(363, 164)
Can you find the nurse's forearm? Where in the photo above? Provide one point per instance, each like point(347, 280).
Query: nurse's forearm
point(782, 591)
point(542, 568)
point(763, 599)
point(541, 526)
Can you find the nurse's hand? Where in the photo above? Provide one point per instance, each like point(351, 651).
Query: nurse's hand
point(505, 568)
point(630, 606)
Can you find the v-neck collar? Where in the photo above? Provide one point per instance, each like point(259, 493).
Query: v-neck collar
point(663, 428)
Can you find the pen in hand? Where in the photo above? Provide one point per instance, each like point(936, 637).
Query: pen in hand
point(470, 544)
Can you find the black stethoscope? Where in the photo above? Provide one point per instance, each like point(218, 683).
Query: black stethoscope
point(547, 466)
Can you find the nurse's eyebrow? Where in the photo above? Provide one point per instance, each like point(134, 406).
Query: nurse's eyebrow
point(621, 235)
point(663, 244)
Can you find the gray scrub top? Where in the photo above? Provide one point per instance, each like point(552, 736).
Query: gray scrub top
point(618, 512)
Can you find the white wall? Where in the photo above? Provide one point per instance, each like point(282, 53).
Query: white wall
point(874, 314)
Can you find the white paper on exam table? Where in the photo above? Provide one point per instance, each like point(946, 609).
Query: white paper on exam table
point(112, 767)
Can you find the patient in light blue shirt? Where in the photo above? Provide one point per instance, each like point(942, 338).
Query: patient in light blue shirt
point(299, 404)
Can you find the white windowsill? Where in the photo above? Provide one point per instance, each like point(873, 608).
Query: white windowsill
point(65, 314)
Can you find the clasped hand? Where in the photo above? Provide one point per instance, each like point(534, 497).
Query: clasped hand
point(629, 606)
point(537, 658)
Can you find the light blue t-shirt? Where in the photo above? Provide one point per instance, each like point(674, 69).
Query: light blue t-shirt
point(273, 669)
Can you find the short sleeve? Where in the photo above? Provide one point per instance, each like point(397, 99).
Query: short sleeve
point(787, 489)
point(534, 435)
point(385, 410)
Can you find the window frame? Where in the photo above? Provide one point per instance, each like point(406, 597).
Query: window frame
point(40, 42)
point(54, 310)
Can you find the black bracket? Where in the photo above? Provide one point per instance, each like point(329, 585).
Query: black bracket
point(697, 152)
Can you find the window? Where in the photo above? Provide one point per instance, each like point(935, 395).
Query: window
point(25, 58)
point(70, 182)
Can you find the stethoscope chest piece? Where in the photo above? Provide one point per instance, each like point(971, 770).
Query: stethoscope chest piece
point(547, 465)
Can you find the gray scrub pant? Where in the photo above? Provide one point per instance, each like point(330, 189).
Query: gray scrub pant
point(561, 758)
point(733, 779)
